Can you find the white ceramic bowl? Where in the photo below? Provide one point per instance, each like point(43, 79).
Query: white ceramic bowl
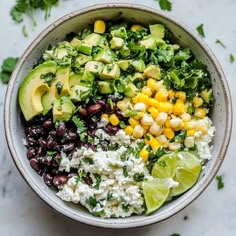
point(75, 22)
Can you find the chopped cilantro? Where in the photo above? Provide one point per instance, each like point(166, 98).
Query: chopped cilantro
point(138, 177)
point(25, 33)
point(8, 66)
point(109, 196)
point(122, 124)
point(200, 30)
point(92, 202)
point(51, 153)
point(109, 101)
point(125, 172)
point(220, 183)
point(59, 87)
point(220, 43)
point(165, 5)
point(48, 78)
point(98, 180)
point(88, 160)
point(125, 205)
point(231, 58)
point(90, 139)
point(175, 235)
point(81, 129)
point(123, 156)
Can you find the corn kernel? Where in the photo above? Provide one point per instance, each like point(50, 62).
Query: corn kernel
point(152, 84)
point(200, 112)
point(175, 122)
point(146, 90)
point(197, 101)
point(146, 127)
point(162, 139)
point(169, 133)
point(191, 132)
point(180, 95)
point(186, 126)
point(185, 117)
point(148, 137)
point(129, 130)
point(99, 26)
point(147, 119)
point(135, 99)
point(154, 128)
point(133, 122)
point(153, 102)
point(167, 123)
point(174, 146)
point(140, 106)
point(203, 127)
point(144, 154)
point(154, 144)
point(179, 108)
point(123, 104)
point(114, 120)
point(171, 94)
point(161, 95)
point(161, 119)
point(143, 98)
point(154, 112)
point(105, 116)
point(135, 27)
point(139, 115)
point(138, 131)
point(189, 142)
point(165, 107)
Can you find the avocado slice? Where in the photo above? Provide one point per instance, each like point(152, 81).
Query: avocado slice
point(83, 59)
point(94, 67)
point(123, 64)
point(105, 87)
point(93, 39)
point(207, 95)
point(33, 87)
point(120, 33)
point(63, 109)
point(80, 93)
point(138, 65)
point(130, 90)
point(116, 43)
point(75, 42)
point(157, 30)
point(149, 42)
point(153, 72)
point(110, 71)
point(74, 79)
point(84, 48)
point(59, 87)
point(104, 56)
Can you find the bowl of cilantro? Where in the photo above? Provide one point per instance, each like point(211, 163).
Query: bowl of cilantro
point(118, 116)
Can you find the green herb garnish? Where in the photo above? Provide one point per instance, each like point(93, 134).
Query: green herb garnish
point(98, 180)
point(220, 183)
point(200, 30)
point(138, 177)
point(59, 87)
point(125, 172)
point(25, 33)
point(48, 78)
point(220, 43)
point(165, 5)
point(81, 129)
point(8, 66)
point(231, 58)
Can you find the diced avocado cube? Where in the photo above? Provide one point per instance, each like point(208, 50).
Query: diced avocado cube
point(157, 30)
point(137, 76)
point(149, 42)
point(82, 59)
point(207, 95)
point(123, 64)
point(85, 48)
point(61, 53)
point(80, 93)
point(160, 42)
point(120, 33)
point(116, 43)
point(63, 109)
point(104, 56)
point(130, 90)
point(153, 72)
point(105, 87)
point(87, 79)
point(139, 65)
point(93, 39)
point(74, 79)
point(124, 51)
point(110, 71)
point(94, 67)
point(75, 42)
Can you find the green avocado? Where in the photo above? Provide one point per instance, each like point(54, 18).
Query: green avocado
point(59, 87)
point(34, 85)
point(207, 95)
point(149, 42)
point(104, 56)
point(105, 87)
point(138, 65)
point(157, 30)
point(74, 79)
point(63, 109)
point(80, 93)
point(130, 90)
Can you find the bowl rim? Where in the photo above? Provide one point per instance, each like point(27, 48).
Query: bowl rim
point(99, 221)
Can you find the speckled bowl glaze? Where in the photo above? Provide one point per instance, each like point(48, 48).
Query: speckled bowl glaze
point(75, 22)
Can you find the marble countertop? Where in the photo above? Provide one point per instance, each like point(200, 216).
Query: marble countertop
point(22, 213)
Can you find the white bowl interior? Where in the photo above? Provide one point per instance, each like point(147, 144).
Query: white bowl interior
point(75, 22)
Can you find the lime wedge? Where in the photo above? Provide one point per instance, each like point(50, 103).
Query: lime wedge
point(155, 193)
point(188, 168)
point(165, 166)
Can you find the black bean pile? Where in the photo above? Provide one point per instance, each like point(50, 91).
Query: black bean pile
point(45, 140)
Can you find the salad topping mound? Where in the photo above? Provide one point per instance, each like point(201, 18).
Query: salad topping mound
point(117, 118)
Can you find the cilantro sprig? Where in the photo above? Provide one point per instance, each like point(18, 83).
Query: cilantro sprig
point(200, 30)
point(165, 5)
point(220, 183)
point(81, 129)
point(8, 66)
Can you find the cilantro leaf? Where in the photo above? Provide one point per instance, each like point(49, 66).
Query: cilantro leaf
point(175, 235)
point(220, 43)
point(5, 77)
point(200, 30)
point(231, 58)
point(25, 33)
point(81, 129)
point(9, 64)
point(220, 183)
point(165, 5)
point(16, 15)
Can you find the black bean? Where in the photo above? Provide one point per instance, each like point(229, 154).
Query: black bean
point(83, 112)
point(48, 178)
point(48, 124)
point(93, 109)
point(113, 98)
point(91, 146)
point(92, 123)
point(110, 129)
point(92, 132)
point(68, 147)
point(72, 135)
point(120, 115)
point(101, 102)
point(88, 180)
point(32, 131)
point(51, 144)
point(55, 172)
point(43, 143)
point(31, 141)
point(40, 131)
point(32, 151)
point(61, 129)
point(60, 180)
point(41, 152)
point(53, 134)
point(47, 160)
point(57, 160)
point(35, 164)
point(110, 110)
